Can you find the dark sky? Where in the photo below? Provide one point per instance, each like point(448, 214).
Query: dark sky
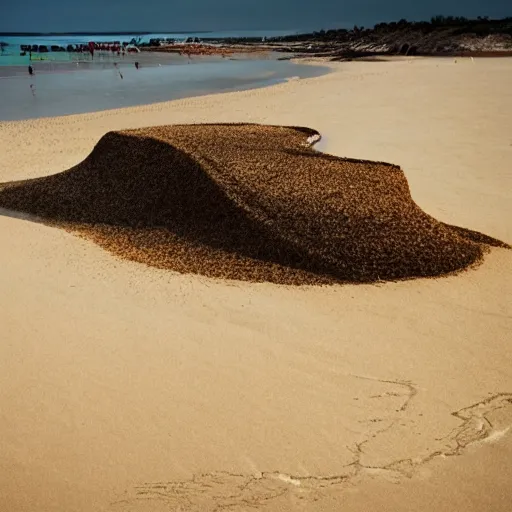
point(172, 15)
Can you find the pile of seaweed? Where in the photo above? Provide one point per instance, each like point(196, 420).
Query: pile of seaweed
point(247, 202)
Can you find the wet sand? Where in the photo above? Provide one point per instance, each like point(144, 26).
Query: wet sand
point(126, 388)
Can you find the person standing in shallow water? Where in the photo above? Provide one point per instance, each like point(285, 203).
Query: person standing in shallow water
point(31, 73)
point(120, 74)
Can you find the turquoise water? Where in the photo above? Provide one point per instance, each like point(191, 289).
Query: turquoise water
point(70, 83)
point(77, 39)
point(11, 53)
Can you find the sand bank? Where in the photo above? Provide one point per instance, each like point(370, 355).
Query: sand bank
point(125, 388)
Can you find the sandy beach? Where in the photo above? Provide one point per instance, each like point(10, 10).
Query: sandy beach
point(124, 388)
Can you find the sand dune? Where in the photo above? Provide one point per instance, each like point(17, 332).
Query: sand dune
point(248, 202)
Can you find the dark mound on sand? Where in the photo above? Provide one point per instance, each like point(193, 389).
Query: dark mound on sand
point(247, 202)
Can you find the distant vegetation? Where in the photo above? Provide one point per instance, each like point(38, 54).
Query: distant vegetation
point(442, 35)
point(456, 25)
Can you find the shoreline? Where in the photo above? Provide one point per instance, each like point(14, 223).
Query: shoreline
point(140, 375)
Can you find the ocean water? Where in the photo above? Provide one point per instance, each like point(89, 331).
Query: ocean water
point(84, 38)
point(70, 83)
point(71, 88)
point(10, 55)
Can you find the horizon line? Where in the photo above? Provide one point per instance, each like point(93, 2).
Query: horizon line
point(296, 30)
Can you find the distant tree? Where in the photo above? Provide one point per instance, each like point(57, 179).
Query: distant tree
point(438, 20)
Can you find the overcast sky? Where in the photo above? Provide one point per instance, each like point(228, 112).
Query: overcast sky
point(190, 15)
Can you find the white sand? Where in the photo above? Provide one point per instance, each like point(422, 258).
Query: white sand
point(120, 383)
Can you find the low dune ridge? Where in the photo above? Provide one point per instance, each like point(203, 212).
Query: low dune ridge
point(247, 202)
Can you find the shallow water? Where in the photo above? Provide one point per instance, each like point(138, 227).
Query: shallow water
point(71, 88)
